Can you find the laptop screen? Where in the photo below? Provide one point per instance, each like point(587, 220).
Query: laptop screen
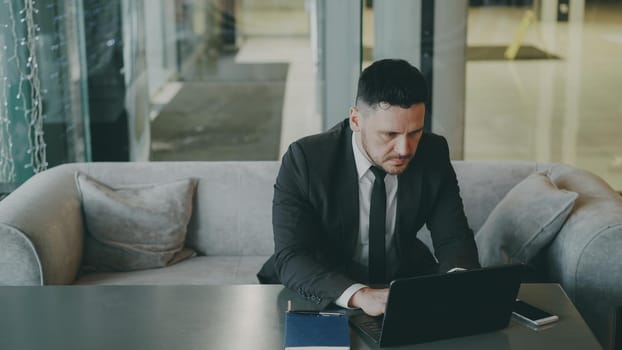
point(427, 308)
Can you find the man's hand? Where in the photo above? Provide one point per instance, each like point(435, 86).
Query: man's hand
point(371, 301)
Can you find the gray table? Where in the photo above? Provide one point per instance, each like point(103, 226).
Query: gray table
point(221, 317)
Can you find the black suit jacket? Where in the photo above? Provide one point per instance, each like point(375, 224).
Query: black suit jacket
point(315, 215)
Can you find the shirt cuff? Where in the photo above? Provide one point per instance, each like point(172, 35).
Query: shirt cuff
point(344, 298)
point(455, 269)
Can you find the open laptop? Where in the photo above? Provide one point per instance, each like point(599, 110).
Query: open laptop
point(427, 308)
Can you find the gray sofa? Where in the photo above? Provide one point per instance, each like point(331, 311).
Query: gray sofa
point(42, 229)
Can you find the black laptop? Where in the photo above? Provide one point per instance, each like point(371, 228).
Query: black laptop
point(427, 308)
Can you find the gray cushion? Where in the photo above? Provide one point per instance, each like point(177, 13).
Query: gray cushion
point(524, 221)
point(135, 227)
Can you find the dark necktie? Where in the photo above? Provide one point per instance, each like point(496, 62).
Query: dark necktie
point(377, 228)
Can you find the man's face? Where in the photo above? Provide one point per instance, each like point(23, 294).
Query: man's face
point(388, 135)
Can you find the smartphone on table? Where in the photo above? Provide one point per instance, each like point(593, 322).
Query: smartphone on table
point(532, 315)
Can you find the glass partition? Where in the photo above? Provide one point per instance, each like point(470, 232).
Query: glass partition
point(43, 119)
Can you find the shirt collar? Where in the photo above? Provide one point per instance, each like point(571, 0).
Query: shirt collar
point(362, 163)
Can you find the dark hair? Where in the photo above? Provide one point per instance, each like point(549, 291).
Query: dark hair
point(393, 81)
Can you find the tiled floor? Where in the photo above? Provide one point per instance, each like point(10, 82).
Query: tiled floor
point(567, 110)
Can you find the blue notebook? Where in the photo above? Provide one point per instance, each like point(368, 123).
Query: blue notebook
point(316, 330)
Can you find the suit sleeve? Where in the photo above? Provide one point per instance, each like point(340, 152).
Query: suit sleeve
point(454, 245)
point(299, 260)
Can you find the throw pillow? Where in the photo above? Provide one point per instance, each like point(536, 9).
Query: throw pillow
point(524, 221)
point(135, 227)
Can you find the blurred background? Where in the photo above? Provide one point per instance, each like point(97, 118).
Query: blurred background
point(154, 80)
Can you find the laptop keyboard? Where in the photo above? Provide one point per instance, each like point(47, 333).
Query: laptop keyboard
point(372, 326)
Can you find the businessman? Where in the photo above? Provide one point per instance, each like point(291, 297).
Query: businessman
point(349, 202)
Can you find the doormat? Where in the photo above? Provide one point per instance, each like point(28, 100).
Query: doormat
point(491, 53)
point(496, 53)
point(216, 116)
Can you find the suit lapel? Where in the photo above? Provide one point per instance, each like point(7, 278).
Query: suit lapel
point(409, 196)
point(348, 196)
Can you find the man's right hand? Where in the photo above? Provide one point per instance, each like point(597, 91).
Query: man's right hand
point(371, 301)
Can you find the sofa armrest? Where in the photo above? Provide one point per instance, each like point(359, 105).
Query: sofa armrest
point(19, 262)
point(41, 227)
point(586, 255)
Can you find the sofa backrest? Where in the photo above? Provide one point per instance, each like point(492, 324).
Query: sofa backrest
point(233, 202)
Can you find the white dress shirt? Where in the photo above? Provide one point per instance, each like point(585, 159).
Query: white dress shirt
point(361, 253)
